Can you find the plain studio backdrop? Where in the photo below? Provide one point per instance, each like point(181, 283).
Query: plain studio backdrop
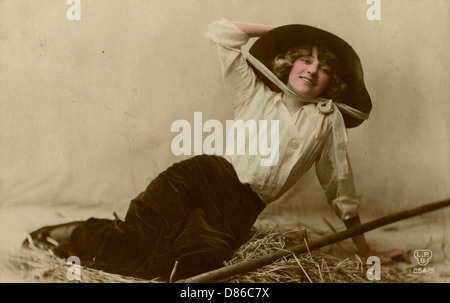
point(86, 107)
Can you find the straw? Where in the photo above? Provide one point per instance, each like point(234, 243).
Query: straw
point(317, 266)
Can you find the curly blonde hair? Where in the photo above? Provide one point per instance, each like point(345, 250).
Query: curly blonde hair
point(281, 66)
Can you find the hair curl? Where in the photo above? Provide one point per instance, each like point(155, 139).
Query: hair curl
point(281, 66)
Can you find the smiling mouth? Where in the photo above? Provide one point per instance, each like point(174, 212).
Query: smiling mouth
point(308, 80)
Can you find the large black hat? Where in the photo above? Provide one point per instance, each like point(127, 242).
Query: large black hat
point(279, 40)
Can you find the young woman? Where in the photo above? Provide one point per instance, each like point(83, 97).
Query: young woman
point(198, 211)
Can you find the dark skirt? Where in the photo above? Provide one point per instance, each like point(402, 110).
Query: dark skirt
point(196, 212)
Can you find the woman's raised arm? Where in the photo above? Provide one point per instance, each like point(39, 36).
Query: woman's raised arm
point(253, 30)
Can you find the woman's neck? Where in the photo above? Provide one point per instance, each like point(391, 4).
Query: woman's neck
point(292, 103)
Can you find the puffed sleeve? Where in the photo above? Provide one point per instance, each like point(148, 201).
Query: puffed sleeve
point(227, 34)
point(340, 192)
point(240, 80)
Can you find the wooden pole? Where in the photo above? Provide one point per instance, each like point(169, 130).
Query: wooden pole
point(249, 265)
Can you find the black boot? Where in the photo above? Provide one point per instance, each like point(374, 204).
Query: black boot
point(55, 238)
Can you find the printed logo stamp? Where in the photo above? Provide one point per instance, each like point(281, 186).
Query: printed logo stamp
point(423, 256)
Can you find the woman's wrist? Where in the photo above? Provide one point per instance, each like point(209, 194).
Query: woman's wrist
point(359, 240)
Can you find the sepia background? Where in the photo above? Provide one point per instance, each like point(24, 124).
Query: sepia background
point(86, 107)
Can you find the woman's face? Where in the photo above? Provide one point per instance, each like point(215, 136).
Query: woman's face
point(308, 76)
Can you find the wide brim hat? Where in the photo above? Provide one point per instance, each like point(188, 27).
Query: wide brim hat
point(280, 39)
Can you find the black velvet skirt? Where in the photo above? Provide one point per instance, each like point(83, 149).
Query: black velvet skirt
point(195, 213)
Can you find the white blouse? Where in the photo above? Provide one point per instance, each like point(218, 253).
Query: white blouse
point(304, 138)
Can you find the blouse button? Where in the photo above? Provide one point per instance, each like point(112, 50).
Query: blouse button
point(294, 143)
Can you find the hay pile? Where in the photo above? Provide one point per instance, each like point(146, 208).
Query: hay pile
point(39, 266)
point(312, 267)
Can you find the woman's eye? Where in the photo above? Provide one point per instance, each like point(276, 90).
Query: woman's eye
point(325, 70)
